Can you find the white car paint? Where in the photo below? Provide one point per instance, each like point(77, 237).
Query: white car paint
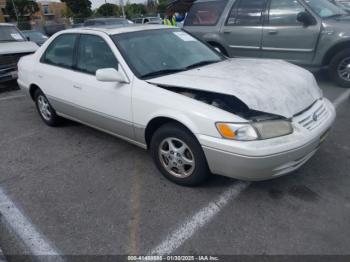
point(253, 81)
point(17, 47)
point(274, 87)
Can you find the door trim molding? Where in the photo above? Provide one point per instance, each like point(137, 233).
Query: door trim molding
point(288, 49)
point(245, 47)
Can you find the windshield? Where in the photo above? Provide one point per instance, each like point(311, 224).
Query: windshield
point(10, 34)
point(325, 9)
point(154, 53)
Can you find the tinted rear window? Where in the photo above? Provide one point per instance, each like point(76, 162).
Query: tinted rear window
point(205, 13)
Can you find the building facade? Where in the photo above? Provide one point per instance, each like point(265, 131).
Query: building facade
point(49, 11)
point(3, 17)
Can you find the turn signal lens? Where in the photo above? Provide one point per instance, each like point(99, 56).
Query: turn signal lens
point(255, 131)
point(241, 132)
point(226, 131)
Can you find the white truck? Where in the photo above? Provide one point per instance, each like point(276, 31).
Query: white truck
point(13, 45)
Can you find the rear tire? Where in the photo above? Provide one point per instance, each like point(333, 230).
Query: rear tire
point(45, 110)
point(179, 156)
point(339, 68)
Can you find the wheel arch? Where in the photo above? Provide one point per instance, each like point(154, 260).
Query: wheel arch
point(216, 44)
point(157, 122)
point(334, 50)
point(32, 90)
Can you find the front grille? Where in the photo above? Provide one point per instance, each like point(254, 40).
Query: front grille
point(314, 117)
point(11, 60)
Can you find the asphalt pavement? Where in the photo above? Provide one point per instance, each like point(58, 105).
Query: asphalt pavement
point(73, 190)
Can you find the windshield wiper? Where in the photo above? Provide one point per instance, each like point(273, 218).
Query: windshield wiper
point(202, 63)
point(162, 72)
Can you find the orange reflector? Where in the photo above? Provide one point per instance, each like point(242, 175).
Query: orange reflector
point(226, 131)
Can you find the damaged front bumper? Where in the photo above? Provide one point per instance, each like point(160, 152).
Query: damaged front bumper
point(267, 159)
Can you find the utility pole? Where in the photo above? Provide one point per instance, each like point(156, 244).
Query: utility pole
point(14, 8)
point(121, 2)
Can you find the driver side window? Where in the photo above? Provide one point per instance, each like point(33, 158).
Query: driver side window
point(284, 12)
point(93, 54)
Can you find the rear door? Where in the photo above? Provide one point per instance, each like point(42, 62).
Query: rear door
point(286, 38)
point(55, 71)
point(243, 29)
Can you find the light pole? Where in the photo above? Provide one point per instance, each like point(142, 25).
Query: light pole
point(122, 5)
point(14, 8)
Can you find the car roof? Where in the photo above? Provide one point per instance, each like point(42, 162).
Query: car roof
point(106, 19)
point(114, 30)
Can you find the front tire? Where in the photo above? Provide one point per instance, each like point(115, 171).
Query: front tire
point(179, 156)
point(340, 68)
point(45, 110)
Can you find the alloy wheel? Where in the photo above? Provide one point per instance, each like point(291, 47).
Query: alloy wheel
point(176, 157)
point(344, 69)
point(44, 107)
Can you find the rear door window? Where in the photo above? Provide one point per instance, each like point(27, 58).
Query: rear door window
point(61, 51)
point(205, 13)
point(247, 13)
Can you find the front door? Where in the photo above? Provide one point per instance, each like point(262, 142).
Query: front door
point(105, 105)
point(243, 29)
point(286, 38)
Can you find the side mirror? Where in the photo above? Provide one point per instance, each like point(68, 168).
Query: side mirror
point(305, 18)
point(111, 75)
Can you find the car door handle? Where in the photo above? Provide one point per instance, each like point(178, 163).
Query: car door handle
point(273, 32)
point(77, 87)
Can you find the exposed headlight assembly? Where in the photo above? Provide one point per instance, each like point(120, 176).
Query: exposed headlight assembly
point(255, 131)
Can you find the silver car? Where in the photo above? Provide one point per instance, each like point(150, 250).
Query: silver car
point(310, 33)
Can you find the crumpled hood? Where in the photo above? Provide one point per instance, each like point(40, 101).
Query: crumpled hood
point(270, 86)
point(17, 47)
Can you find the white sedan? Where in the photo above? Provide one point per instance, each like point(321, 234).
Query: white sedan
point(198, 112)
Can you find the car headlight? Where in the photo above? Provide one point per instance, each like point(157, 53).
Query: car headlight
point(255, 131)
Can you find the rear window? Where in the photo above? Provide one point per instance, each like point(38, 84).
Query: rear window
point(205, 13)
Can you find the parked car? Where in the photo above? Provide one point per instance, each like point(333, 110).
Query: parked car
point(313, 33)
point(36, 36)
point(52, 27)
point(343, 4)
point(148, 20)
point(107, 21)
point(197, 111)
point(13, 46)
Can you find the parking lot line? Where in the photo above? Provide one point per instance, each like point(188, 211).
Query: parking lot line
point(39, 245)
point(32, 239)
point(198, 220)
point(11, 97)
point(342, 98)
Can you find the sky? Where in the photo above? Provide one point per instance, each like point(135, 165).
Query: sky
point(97, 3)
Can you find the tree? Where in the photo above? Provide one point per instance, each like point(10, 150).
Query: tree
point(24, 8)
point(151, 6)
point(80, 8)
point(162, 4)
point(108, 10)
point(134, 10)
point(67, 13)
